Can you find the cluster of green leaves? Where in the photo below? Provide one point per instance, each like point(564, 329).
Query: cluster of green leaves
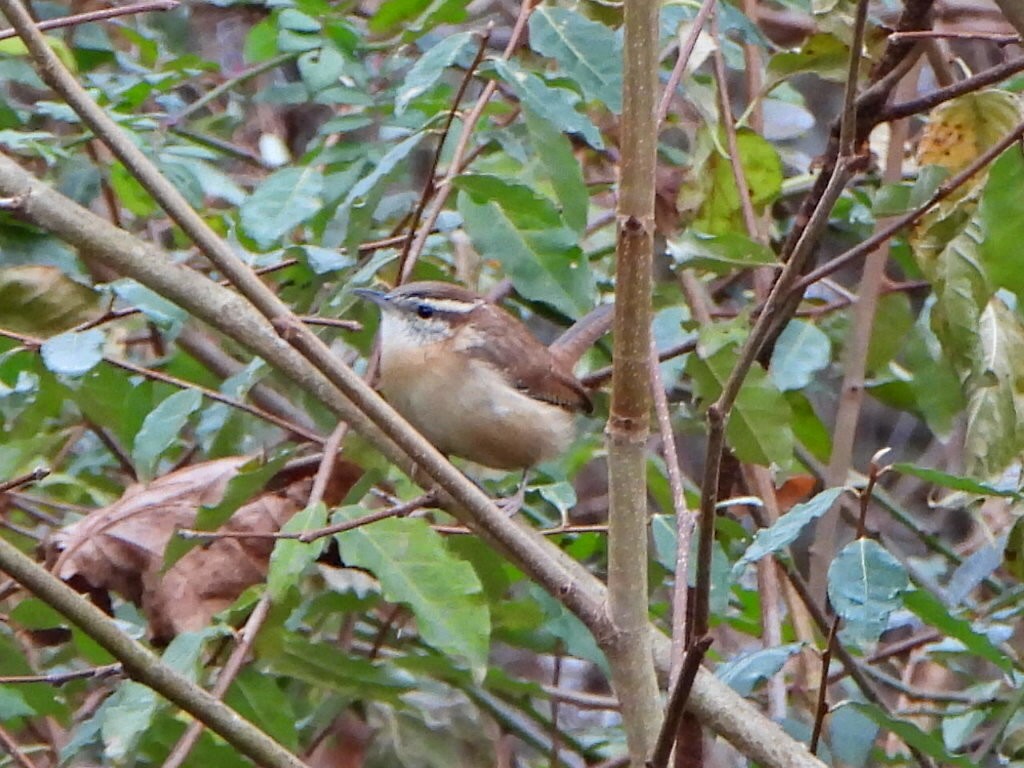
point(371, 93)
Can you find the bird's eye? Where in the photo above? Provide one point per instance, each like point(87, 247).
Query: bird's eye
point(425, 311)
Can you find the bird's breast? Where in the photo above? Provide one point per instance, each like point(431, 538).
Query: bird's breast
point(466, 407)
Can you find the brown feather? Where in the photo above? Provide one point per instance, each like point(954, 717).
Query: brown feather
point(525, 361)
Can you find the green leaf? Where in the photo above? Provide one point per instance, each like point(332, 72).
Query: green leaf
point(934, 384)
point(1013, 552)
point(160, 429)
point(324, 260)
point(1002, 223)
point(864, 584)
point(297, 21)
point(893, 322)
point(721, 254)
point(415, 568)
point(758, 429)
point(393, 12)
point(802, 350)
point(428, 69)
point(260, 699)
point(786, 529)
point(745, 670)
point(808, 429)
point(910, 734)
point(42, 300)
point(325, 666)
point(545, 263)
point(954, 482)
point(127, 717)
point(74, 354)
point(284, 200)
point(556, 105)
point(321, 68)
point(721, 211)
point(996, 393)
point(13, 704)
point(823, 54)
point(164, 314)
point(589, 52)
point(930, 610)
point(291, 557)
point(353, 215)
point(525, 207)
point(562, 170)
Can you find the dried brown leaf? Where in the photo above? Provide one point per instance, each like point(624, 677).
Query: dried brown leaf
point(120, 548)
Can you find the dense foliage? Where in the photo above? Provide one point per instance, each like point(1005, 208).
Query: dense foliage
point(333, 145)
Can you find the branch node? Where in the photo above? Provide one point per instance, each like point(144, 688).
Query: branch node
point(15, 202)
point(287, 327)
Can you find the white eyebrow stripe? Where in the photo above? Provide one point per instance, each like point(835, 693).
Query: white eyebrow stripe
point(452, 305)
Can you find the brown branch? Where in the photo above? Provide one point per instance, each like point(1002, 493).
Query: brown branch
point(107, 13)
point(58, 679)
point(932, 34)
point(398, 510)
point(725, 119)
point(12, 748)
point(677, 702)
point(601, 375)
point(234, 664)
point(821, 710)
point(143, 665)
point(685, 521)
point(332, 322)
point(683, 57)
point(31, 477)
point(626, 432)
point(931, 100)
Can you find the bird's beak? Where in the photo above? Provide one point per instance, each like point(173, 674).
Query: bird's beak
point(377, 297)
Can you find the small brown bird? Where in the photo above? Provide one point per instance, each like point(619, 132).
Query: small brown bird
point(474, 380)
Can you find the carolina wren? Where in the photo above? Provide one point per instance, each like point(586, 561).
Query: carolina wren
point(473, 380)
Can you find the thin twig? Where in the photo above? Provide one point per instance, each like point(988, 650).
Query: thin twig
point(59, 678)
point(456, 165)
point(12, 748)
point(927, 34)
point(35, 344)
point(683, 57)
point(725, 119)
point(107, 13)
point(995, 734)
point(227, 85)
point(332, 322)
point(232, 667)
point(428, 186)
point(601, 375)
point(854, 364)
point(32, 477)
point(685, 520)
point(945, 189)
point(399, 510)
point(677, 702)
point(556, 679)
point(976, 82)
point(821, 710)
point(115, 448)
